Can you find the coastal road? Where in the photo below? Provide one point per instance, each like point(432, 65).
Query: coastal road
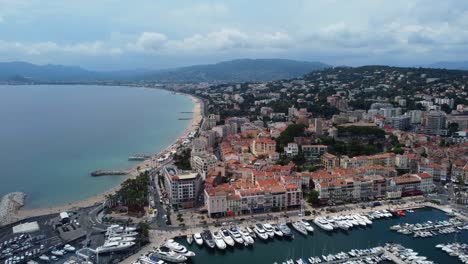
point(160, 221)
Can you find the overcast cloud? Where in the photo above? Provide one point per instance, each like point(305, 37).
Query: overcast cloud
point(111, 34)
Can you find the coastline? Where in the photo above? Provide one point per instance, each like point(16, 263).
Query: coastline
point(193, 125)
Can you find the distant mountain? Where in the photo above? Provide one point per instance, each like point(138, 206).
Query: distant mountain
point(235, 70)
point(24, 71)
point(451, 65)
point(238, 70)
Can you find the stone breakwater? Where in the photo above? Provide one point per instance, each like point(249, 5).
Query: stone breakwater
point(9, 206)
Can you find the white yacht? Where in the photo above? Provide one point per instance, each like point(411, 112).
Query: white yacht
point(198, 239)
point(218, 239)
point(307, 226)
point(44, 257)
point(118, 228)
point(207, 236)
point(121, 234)
point(246, 236)
point(148, 260)
point(165, 253)
point(269, 230)
point(113, 246)
point(260, 231)
point(277, 231)
point(299, 227)
point(322, 223)
point(178, 248)
point(69, 248)
point(57, 252)
point(226, 237)
point(285, 230)
point(234, 233)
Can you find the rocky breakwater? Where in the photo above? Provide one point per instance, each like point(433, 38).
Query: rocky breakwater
point(9, 206)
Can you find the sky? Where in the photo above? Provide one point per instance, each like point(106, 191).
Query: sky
point(116, 35)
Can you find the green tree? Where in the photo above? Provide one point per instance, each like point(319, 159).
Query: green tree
point(313, 197)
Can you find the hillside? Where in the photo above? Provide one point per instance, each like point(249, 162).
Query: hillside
point(238, 70)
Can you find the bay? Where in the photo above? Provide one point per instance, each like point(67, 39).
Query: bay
point(53, 136)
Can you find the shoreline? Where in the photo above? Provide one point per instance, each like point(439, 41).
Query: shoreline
point(194, 124)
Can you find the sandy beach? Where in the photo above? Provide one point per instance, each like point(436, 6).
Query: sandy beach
point(100, 198)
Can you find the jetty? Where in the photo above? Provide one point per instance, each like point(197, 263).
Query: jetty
point(108, 172)
point(139, 157)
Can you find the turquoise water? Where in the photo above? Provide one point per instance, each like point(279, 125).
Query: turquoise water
point(322, 242)
point(51, 137)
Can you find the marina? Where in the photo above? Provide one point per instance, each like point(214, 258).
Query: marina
point(455, 250)
point(324, 243)
point(429, 228)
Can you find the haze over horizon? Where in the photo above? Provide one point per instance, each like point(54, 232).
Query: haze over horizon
point(116, 35)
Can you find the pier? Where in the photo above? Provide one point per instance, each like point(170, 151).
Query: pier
point(108, 173)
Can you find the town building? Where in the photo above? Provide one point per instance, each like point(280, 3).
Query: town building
point(183, 188)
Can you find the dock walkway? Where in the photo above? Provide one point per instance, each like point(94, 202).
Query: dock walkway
point(394, 258)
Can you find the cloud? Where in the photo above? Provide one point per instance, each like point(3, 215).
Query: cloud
point(149, 42)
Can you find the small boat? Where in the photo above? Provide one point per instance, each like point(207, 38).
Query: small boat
point(150, 260)
point(322, 223)
point(198, 239)
point(189, 239)
point(44, 257)
point(57, 252)
point(246, 236)
point(299, 228)
point(69, 248)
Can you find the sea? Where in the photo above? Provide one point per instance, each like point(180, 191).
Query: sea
point(323, 242)
point(53, 136)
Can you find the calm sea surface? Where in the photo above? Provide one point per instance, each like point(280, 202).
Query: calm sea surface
point(333, 242)
point(51, 137)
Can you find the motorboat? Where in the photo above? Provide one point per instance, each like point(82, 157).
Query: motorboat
point(218, 240)
point(165, 253)
point(69, 248)
point(118, 228)
point(57, 252)
point(113, 246)
point(44, 257)
point(246, 236)
point(149, 260)
point(260, 232)
point(277, 231)
point(208, 238)
point(189, 239)
point(269, 230)
point(285, 230)
point(121, 234)
point(307, 226)
point(198, 239)
point(299, 228)
point(251, 231)
point(178, 248)
point(234, 233)
point(322, 223)
point(227, 237)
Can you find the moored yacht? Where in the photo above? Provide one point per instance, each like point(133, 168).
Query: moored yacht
point(227, 237)
point(299, 228)
point(178, 248)
point(307, 226)
point(165, 253)
point(208, 238)
point(113, 246)
point(269, 230)
point(285, 229)
point(246, 236)
point(234, 233)
point(198, 239)
point(322, 223)
point(277, 231)
point(218, 240)
point(260, 232)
